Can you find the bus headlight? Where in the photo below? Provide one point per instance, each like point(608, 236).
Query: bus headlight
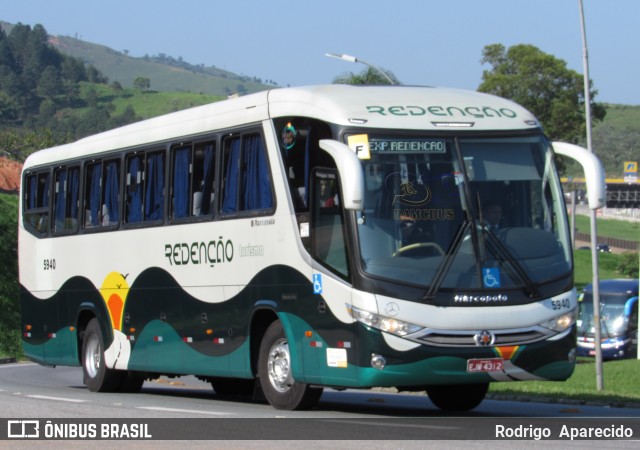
point(562, 322)
point(384, 323)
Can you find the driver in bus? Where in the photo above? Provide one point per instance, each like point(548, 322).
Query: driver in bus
point(493, 216)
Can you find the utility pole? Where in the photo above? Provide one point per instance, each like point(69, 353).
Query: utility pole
point(594, 234)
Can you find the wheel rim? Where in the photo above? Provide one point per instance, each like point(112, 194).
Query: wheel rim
point(278, 366)
point(93, 356)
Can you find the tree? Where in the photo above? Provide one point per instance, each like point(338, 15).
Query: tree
point(10, 339)
point(369, 76)
point(49, 84)
point(142, 83)
point(541, 83)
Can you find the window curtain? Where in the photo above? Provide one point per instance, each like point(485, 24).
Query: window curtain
point(73, 192)
point(257, 186)
point(33, 190)
point(94, 194)
point(45, 192)
point(61, 186)
point(182, 161)
point(134, 210)
point(208, 179)
point(230, 203)
point(112, 190)
point(154, 193)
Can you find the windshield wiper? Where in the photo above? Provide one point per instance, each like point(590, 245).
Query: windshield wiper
point(447, 260)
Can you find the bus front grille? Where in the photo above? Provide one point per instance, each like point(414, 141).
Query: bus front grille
point(441, 338)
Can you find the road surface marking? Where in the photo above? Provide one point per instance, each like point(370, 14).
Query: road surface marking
point(59, 399)
point(186, 411)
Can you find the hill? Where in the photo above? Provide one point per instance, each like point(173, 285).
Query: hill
point(621, 117)
point(164, 72)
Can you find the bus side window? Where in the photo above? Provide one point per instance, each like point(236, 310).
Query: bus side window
point(93, 189)
point(181, 172)
point(65, 207)
point(36, 202)
point(327, 238)
point(154, 187)
point(193, 171)
point(102, 194)
point(203, 182)
point(247, 180)
point(111, 194)
point(135, 177)
point(145, 187)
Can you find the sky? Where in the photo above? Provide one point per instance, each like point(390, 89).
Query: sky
point(423, 42)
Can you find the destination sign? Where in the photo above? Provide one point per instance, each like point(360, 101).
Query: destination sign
point(398, 145)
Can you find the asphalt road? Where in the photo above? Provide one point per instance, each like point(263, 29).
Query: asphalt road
point(188, 409)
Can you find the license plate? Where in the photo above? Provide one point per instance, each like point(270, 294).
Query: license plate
point(485, 365)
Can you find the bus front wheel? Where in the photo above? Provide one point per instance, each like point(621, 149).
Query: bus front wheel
point(97, 377)
point(462, 397)
point(275, 372)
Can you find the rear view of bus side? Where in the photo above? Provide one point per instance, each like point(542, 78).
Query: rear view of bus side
point(300, 239)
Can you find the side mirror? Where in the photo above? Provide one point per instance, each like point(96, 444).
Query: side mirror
point(593, 171)
point(351, 173)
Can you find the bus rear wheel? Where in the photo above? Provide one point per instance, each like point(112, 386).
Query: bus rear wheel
point(275, 372)
point(97, 377)
point(462, 397)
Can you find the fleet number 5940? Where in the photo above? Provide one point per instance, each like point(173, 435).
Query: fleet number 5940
point(564, 303)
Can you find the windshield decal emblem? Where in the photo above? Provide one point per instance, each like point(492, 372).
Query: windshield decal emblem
point(484, 338)
point(413, 192)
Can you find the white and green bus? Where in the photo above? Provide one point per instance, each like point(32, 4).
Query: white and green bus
point(306, 238)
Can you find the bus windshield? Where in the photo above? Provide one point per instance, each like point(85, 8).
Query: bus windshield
point(613, 317)
point(444, 212)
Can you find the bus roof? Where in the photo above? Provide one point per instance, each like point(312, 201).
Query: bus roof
point(617, 286)
point(394, 107)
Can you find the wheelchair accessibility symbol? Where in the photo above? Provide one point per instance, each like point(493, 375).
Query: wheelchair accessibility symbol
point(491, 277)
point(317, 283)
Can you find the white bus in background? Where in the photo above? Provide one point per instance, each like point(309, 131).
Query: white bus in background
point(306, 238)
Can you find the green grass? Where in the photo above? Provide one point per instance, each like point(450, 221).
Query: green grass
point(147, 104)
point(622, 116)
point(583, 271)
point(620, 229)
point(620, 386)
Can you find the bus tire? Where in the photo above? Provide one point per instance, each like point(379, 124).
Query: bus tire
point(131, 382)
point(463, 397)
point(275, 373)
point(97, 377)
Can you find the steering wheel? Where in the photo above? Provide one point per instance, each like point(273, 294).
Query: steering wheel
point(417, 245)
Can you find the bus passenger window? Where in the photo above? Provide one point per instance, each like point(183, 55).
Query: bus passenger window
point(145, 187)
point(36, 201)
point(135, 175)
point(154, 187)
point(247, 180)
point(111, 197)
point(203, 183)
point(66, 189)
point(102, 194)
point(93, 188)
point(192, 178)
point(181, 170)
